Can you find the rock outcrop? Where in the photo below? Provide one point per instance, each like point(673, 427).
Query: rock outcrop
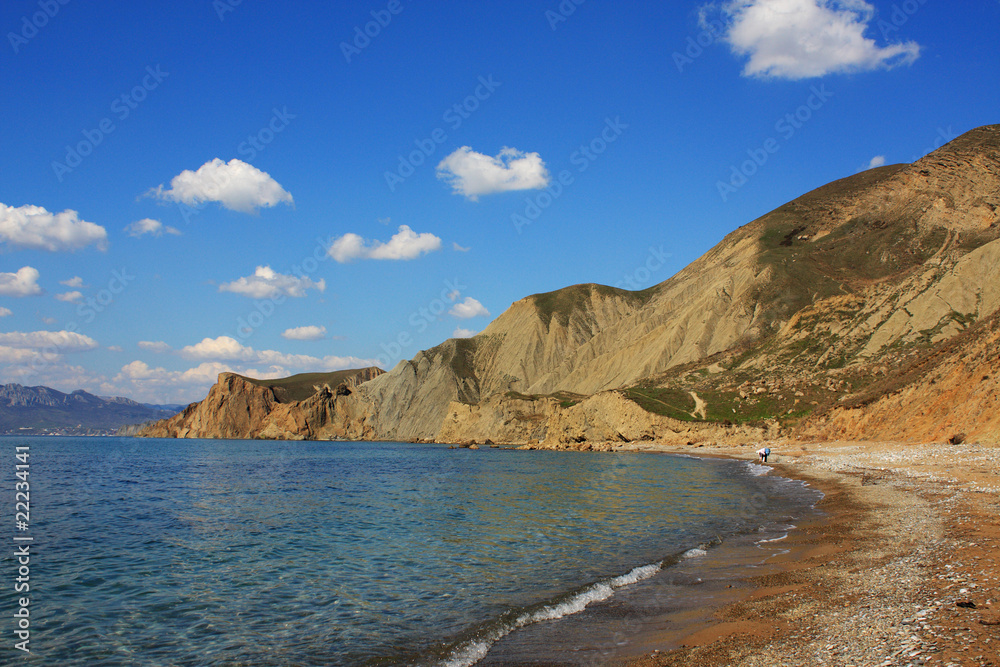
point(238, 407)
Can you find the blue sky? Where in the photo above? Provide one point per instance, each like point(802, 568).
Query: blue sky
point(198, 186)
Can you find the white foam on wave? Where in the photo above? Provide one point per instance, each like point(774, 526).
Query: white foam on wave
point(694, 553)
point(757, 470)
point(475, 650)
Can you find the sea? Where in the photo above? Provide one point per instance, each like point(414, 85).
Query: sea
point(242, 552)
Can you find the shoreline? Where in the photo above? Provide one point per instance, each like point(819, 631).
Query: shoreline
point(909, 532)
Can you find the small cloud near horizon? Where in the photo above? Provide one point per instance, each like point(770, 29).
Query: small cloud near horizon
point(304, 333)
point(468, 308)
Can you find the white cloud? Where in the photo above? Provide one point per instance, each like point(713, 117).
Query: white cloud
point(236, 185)
point(49, 341)
point(75, 281)
point(459, 248)
point(799, 39)
point(265, 283)
point(35, 228)
point(157, 346)
point(459, 332)
point(4, 312)
point(877, 161)
point(70, 297)
point(151, 227)
point(468, 308)
point(225, 348)
point(304, 333)
point(116, 348)
point(404, 244)
point(472, 174)
point(22, 283)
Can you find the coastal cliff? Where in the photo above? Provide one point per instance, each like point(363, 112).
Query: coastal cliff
point(862, 309)
point(313, 406)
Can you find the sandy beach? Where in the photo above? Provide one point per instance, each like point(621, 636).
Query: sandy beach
point(901, 571)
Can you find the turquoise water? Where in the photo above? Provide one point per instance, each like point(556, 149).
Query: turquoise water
point(214, 552)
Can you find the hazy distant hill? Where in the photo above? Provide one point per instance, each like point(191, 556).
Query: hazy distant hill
point(35, 410)
point(850, 312)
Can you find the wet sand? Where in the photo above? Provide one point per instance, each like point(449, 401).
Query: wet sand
point(902, 571)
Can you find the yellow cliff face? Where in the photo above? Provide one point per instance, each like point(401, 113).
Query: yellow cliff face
point(798, 322)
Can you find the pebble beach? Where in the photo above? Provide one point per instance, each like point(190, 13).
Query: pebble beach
point(902, 570)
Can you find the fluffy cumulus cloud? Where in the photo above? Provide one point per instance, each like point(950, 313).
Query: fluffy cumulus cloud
point(459, 332)
point(404, 244)
point(305, 333)
point(75, 281)
point(265, 283)
point(22, 283)
point(236, 185)
point(4, 312)
point(32, 227)
point(468, 308)
point(799, 39)
point(150, 227)
point(472, 174)
point(70, 297)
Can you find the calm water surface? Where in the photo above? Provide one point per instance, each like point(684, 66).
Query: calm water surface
point(214, 552)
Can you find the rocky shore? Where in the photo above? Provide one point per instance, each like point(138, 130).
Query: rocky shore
point(903, 572)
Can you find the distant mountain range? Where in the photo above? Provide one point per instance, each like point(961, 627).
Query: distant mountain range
point(45, 411)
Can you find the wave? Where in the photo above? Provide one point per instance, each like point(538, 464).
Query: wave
point(756, 469)
point(472, 651)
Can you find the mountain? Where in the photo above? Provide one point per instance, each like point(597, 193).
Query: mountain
point(39, 410)
point(817, 318)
